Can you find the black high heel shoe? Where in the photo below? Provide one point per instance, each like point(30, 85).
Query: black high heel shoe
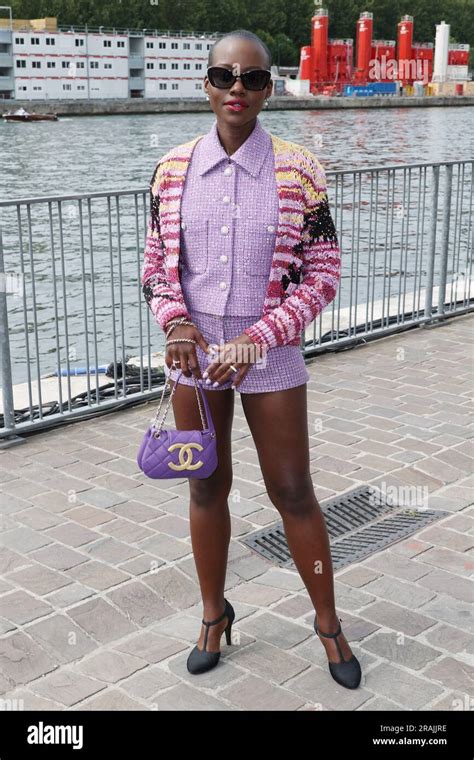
point(201, 660)
point(346, 672)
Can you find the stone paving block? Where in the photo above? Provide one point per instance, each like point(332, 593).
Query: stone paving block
point(110, 666)
point(133, 510)
point(174, 587)
point(459, 563)
point(452, 673)
point(141, 565)
point(252, 693)
point(281, 578)
point(22, 659)
point(111, 550)
point(111, 700)
point(398, 618)
point(410, 691)
point(39, 519)
point(391, 563)
point(101, 620)
point(151, 647)
point(172, 525)
point(379, 704)
point(451, 638)
point(25, 540)
point(260, 595)
point(38, 579)
point(66, 686)
point(401, 650)
point(60, 637)
point(449, 539)
point(147, 682)
point(101, 497)
point(165, 547)
point(22, 699)
point(126, 531)
point(186, 697)
point(357, 576)
point(448, 583)
point(59, 557)
point(268, 662)
point(140, 603)
point(97, 575)
point(21, 607)
point(275, 630)
point(294, 607)
point(402, 593)
point(72, 534)
point(451, 611)
point(69, 595)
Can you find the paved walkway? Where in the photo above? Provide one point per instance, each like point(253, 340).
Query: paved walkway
point(99, 601)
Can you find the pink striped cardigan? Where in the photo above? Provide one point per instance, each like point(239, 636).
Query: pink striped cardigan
point(306, 264)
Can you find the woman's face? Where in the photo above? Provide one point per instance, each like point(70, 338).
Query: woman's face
point(238, 55)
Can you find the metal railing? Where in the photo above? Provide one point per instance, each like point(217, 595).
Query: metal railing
point(71, 303)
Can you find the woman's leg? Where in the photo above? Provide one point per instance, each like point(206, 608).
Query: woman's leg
point(208, 508)
point(278, 421)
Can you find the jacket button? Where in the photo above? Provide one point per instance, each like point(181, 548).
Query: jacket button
point(224, 258)
point(228, 170)
point(183, 225)
point(270, 228)
point(222, 285)
point(224, 229)
point(226, 199)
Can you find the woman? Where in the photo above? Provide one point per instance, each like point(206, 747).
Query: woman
point(241, 255)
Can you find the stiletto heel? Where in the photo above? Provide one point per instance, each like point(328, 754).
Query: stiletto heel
point(346, 672)
point(200, 660)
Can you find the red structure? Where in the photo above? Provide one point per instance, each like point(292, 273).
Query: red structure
point(320, 34)
point(328, 63)
point(405, 50)
point(364, 30)
point(382, 52)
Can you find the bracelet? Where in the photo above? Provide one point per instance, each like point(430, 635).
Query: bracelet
point(175, 323)
point(181, 340)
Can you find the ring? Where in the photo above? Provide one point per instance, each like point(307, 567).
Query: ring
point(233, 368)
point(175, 363)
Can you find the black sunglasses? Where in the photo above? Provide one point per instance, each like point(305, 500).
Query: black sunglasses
point(256, 79)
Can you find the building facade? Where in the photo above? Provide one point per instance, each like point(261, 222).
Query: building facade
point(88, 64)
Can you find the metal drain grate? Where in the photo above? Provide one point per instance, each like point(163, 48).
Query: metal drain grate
point(359, 523)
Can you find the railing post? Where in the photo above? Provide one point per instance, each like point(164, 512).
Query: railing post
point(5, 359)
point(445, 239)
point(432, 244)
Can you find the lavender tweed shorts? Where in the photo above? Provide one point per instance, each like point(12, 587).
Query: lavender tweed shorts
point(282, 367)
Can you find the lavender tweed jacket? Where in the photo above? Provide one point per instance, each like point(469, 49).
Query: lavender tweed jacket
point(306, 265)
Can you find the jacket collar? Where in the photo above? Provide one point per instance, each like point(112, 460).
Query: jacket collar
point(250, 155)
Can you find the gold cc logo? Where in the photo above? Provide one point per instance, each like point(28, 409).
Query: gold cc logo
point(186, 463)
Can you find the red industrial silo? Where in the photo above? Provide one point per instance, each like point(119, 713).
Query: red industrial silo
point(363, 47)
point(319, 40)
point(306, 64)
point(405, 50)
point(340, 62)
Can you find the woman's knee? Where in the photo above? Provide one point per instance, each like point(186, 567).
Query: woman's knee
point(212, 490)
point(293, 495)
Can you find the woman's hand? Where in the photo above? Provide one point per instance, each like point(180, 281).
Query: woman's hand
point(242, 352)
point(184, 354)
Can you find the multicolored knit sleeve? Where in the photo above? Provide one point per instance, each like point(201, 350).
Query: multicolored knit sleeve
point(321, 257)
point(165, 300)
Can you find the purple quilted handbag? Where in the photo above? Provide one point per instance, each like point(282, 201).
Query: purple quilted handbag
point(179, 453)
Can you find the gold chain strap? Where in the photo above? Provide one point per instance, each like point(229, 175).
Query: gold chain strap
point(153, 422)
